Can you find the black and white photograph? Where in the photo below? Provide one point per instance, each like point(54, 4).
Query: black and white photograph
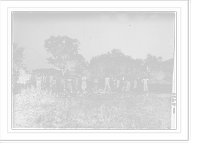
point(93, 70)
point(73, 70)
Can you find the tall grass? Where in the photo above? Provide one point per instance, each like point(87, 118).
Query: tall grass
point(38, 109)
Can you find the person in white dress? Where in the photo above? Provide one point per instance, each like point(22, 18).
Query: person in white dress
point(123, 78)
point(83, 82)
point(127, 85)
point(107, 84)
point(135, 84)
point(44, 82)
point(50, 81)
point(145, 84)
point(63, 84)
point(76, 85)
point(69, 83)
point(54, 87)
point(118, 83)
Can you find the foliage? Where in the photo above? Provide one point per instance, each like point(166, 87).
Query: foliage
point(64, 53)
point(87, 73)
point(34, 109)
point(17, 56)
point(114, 62)
point(151, 61)
point(24, 75)
point(157, 75)
point(168, 79)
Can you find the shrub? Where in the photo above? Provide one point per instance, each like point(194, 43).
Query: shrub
point(168, 79)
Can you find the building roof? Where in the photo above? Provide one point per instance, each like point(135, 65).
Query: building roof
point(167, 61)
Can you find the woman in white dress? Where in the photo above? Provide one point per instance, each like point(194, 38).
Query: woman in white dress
point(107, 85)
point(54, 87)
point(135, 84)
point(118, 83)
point(44, 82)
point(50, 81)
point(69, 84)
point(127, 85)
point(84, 83)
point(63, 84)
point(76, 85)
point(145, 84)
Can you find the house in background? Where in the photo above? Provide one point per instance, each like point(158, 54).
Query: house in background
point(167, 65)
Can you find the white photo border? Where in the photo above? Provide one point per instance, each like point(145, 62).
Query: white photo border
point(181, 133)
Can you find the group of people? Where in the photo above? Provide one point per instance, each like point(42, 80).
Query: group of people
point(126, 84)
point(62, 84)
point(82, 84)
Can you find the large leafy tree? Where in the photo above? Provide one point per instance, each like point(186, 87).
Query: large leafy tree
point(151, 61)
point(64, 54)
point(114, 62)
point(17, 56)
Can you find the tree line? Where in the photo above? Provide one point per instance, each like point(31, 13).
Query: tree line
point(65, 56)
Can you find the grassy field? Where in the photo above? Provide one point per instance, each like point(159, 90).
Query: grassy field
point(32, 109)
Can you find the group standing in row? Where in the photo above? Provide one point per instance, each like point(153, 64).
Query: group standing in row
point(82, 84)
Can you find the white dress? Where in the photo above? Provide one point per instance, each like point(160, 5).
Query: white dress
point(118, 83)
point(128, 86)
point(83, 82)
point(107, 84)
point(44, 83)
point(50, 82)
point(62, 84)
point(69, 84)
point(145, 84)
point(135, 84)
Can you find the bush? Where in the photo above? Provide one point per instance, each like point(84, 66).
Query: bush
point(168, 79)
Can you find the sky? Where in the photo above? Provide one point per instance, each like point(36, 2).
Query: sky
point(134, 33)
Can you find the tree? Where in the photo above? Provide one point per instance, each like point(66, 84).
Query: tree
point(64, 53)
point(116, 58)
point(151, 61)
point(24, 75)
point(17, 56)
